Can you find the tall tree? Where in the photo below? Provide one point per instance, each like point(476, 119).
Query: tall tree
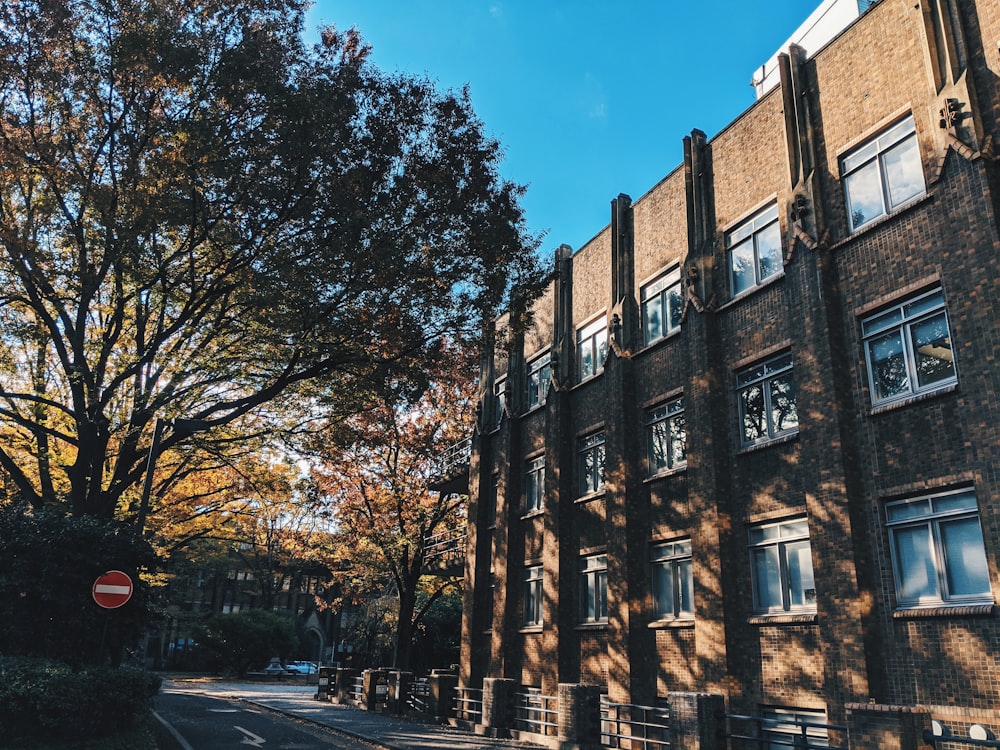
point(202, 217)
point(377, 478)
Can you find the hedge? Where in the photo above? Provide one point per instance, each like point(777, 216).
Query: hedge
point(45, 699)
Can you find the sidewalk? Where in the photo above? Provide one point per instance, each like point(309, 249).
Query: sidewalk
point(381, 730)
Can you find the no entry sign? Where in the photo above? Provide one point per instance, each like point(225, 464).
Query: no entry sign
point(112, 589)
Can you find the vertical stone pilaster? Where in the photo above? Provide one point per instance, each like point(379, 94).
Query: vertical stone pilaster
point(579, 716)
point(886, 727)
point(697, 721)
point(497, 696)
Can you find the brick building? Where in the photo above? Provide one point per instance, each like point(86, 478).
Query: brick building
point(749, 443)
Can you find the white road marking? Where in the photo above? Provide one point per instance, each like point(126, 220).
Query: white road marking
point(251, 739)
point(176, 735)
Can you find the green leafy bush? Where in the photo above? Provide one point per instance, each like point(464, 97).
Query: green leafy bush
point(41, 698)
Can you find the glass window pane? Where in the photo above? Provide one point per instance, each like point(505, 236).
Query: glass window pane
point(965, 557)
point(888, 366)
point(658, 446)
point(954, 501)
point(676, 307)
point(741, 259)
point(586, 351)
point(784, 413)
point(767, 579)
point(903, 172)
point(662, 594)
point(769, 250)
point(864, 195)
point(909, 509)
point(932, 350)
point(685, 583)
point(801, 586)
point(678, 440)
point(754, 419)
point(652, 319)
point(915, 561)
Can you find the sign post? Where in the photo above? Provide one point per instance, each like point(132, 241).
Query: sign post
point(112, 589)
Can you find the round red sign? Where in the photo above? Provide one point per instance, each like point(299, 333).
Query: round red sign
point(112, 589)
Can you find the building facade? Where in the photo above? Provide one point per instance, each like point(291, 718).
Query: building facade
point(749, 442)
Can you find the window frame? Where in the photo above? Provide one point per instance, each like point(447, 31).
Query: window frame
point(499, 400)
point(539, 373)
point(591, 480)
point(667, 412)
point(901, 134)
point(903, 318)
point(934, 519)
point(532, 615)
point(594, 589)
point(763, 374)
point(672, 565)
point(663, 292)
point(789, 536)
point(534, 485)
point(595, 336)
point(748, 234)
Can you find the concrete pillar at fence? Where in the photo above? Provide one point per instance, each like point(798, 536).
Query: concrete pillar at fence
point(886, 727)
point(375, 689)
point(498, 692)
point(697, 721)
point(579, 716)
point(344, 682)
point(441, 694)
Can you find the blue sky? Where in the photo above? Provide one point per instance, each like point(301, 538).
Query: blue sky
point(589, 98)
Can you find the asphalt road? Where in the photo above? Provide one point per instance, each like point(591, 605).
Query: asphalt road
point(196, 721)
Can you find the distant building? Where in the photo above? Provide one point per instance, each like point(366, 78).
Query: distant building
point(750, 443)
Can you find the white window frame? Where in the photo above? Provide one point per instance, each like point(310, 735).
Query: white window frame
point(592, 348)
point(673, 580)
point(785, 726)
point(878, 160)
point(532, 596)
point(937, 514)
point(781, 566)
point(499, 399)
point(594, 589)
point(752, 241)
point(767, 377)
point(591, 456)
point(539, 376)
point(534, 485)
point(665, 429)
point(894, 335)
point(661, 306)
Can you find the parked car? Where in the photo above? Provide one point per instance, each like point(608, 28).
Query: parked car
point(303, 667)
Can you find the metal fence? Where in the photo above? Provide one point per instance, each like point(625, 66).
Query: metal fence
point(776, 732)
point(536, 713)
point(448, 544)
point(356, 690)
point(634, 726)
point(469, 704)
point(418, 696)
point(941, 738)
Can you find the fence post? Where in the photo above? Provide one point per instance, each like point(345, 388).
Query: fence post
point(696, 721)
point(343, 684)
point(441, 693)
point(886, 727)
point(375, 689)
point(498, 692)
point(579, 716)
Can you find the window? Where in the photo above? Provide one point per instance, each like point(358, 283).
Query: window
point(781, 567)
point(754, 250)
point(908, 349)
point(673, 581)
point(534, 486)
point(594, 589)
point(883, 174)
point(661, 307)
point(590, 463)
point(938, 556)
point(794, 727)
point(666, 437)
point(539, 374)
point(767, 400)
point(499, 400)
point(592, 348)
point(533, 595)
